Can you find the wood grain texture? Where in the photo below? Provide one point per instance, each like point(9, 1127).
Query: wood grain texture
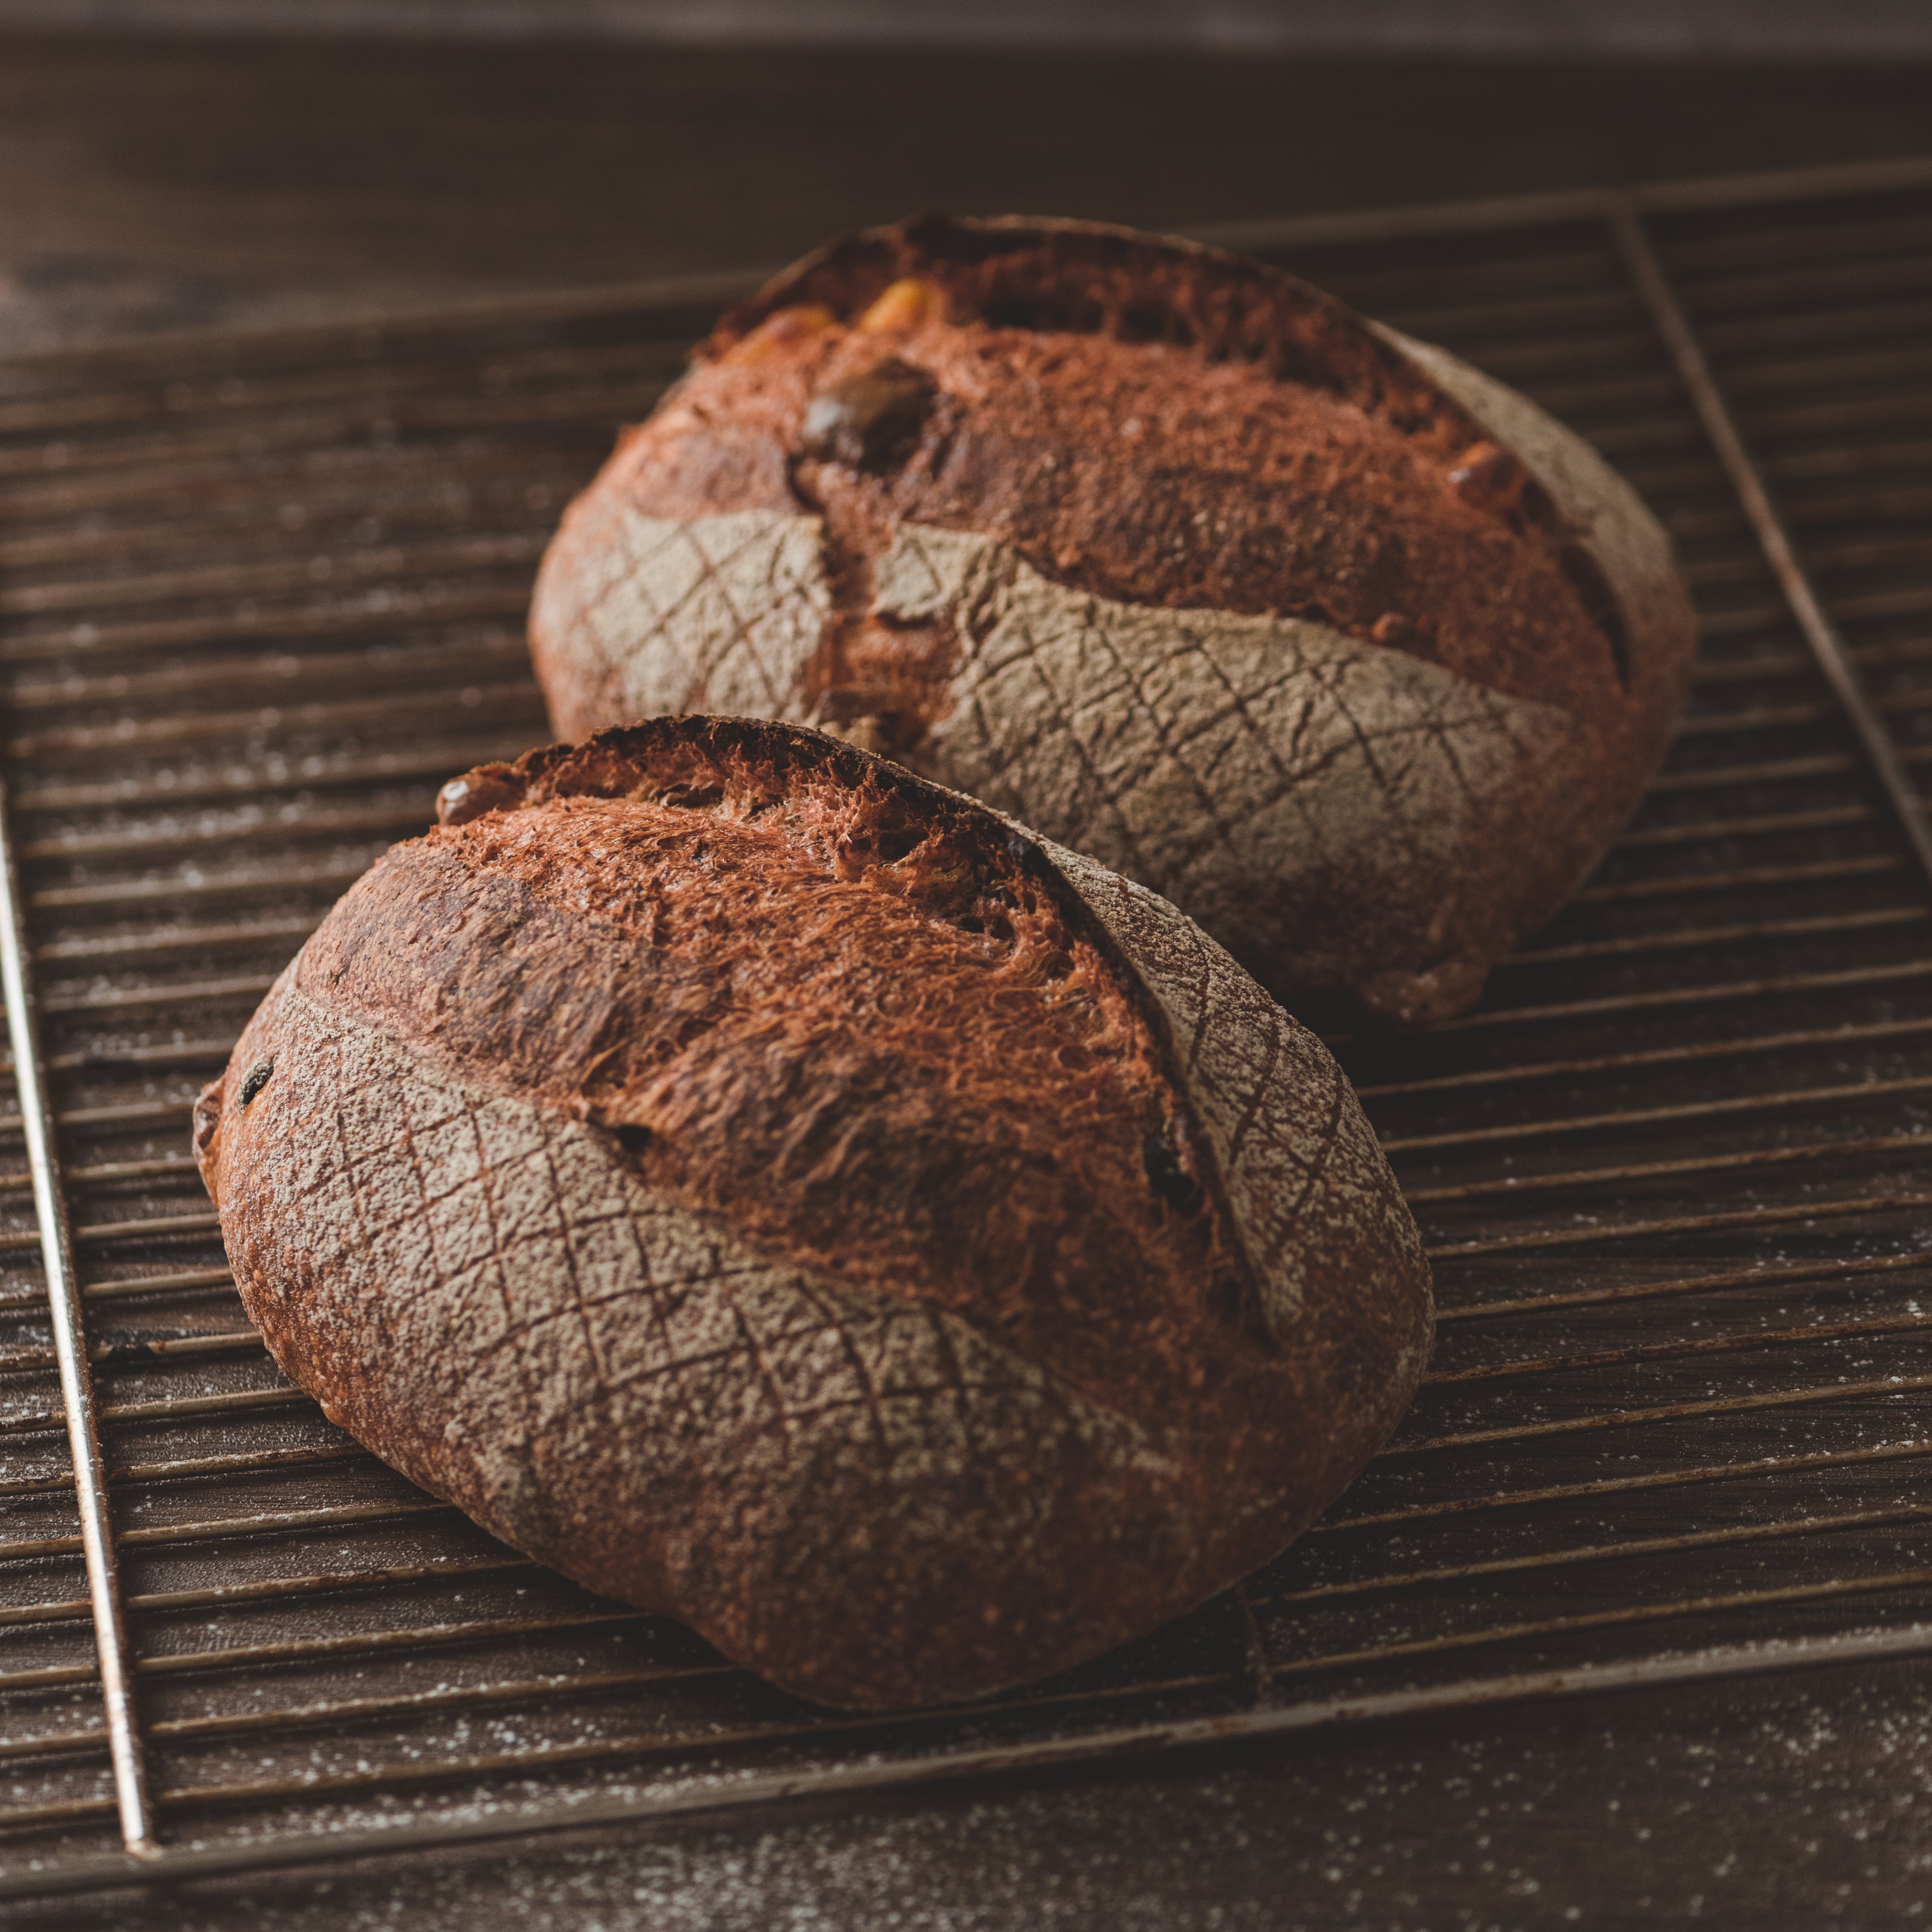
point(172, 183)
point(1782, 27)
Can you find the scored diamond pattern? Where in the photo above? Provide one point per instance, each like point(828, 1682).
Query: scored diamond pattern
point(720, 613)
point(1204, 751)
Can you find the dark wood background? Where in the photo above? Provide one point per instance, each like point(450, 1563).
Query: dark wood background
point(176, 184)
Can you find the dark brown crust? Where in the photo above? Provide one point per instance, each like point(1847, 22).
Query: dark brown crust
point(1089, 278)
point(843, 1011)
point(1303, 464)
point(971, 875)
point(691, 948)
point(1167, 428)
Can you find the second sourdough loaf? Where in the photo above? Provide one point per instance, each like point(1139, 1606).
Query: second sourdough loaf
point(1348, 650)
point(779, 1193)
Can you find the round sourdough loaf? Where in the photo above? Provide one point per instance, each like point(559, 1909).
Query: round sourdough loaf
point(1349, 651)
point(779, 1193)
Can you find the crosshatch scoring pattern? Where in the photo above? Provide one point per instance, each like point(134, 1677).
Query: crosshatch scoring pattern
point(258, 596)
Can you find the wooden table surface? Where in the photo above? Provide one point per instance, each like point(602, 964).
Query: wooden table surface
point(168, 184)
point(171, 184)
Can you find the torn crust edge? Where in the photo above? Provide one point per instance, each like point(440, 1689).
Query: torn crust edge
point(656, 758)
point(1052, 273)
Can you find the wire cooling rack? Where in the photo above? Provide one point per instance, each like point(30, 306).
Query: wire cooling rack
point(259, 594)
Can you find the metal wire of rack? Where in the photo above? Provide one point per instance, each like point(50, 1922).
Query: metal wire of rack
point(259, 594)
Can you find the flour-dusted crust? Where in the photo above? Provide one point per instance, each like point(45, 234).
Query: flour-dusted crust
point(781, 1194)
point(1199, 752)
point(717, 614)
point(1623, 538)
point(1346, 648)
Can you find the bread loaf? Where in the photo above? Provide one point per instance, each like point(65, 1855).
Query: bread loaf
point(778, 1192)
point(1349, 651)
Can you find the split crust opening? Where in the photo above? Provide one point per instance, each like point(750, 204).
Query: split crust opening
point(1153, 423)
point(861, 1022)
